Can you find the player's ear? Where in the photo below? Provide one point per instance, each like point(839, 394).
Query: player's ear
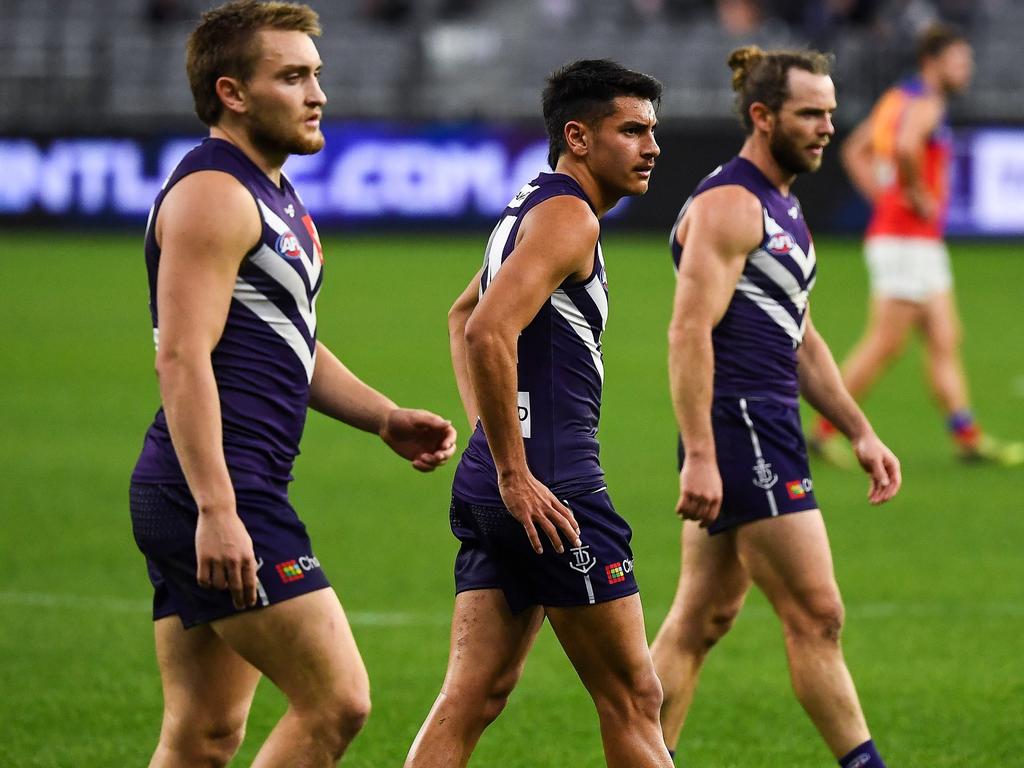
point(576, 138)
point(231, 94)
point(762, 116)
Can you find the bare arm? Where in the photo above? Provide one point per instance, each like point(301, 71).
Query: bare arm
point(424, 438)
point(721, 227)
point(920, 119)
point(822, 386)
point(556, 241)
point(458, 316)
point(206, 225)
point(858, 160)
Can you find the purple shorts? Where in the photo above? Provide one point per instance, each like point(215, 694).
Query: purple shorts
point(164, 523)
point(496, 554)
point(762, 458)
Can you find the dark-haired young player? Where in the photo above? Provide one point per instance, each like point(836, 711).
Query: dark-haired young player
point(899, 158)
point(540, 537)
point(742, 350)
point(235, 266)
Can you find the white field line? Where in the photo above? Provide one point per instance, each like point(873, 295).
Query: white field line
point(879, 610)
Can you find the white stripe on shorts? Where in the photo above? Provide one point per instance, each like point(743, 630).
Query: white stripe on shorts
point(757, 452)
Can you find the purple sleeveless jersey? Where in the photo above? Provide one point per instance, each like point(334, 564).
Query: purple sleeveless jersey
point(263, 362)
point(560, 369)
point(755, 342)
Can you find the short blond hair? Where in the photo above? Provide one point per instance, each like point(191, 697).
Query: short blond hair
point(225, 44)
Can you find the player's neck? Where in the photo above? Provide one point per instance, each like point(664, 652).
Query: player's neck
point(932, 81)
point(271, 166)
point(601, 201)
point(756, 151)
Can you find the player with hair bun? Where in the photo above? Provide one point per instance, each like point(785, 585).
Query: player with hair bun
point(742, 349)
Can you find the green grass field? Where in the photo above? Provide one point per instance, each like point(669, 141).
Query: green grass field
point(933, 582)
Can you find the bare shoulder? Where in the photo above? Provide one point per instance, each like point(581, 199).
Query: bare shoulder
point(562, 232)
point(565, 218)
point(728, 217)
point(209, 209)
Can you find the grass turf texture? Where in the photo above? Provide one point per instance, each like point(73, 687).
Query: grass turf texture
point(933, 582)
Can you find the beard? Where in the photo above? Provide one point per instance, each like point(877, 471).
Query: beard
point(788, 155)
point(274, 138)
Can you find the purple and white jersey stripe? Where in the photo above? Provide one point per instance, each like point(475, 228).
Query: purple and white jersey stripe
point(263, 362)
point(755, 342)
point(560, 369)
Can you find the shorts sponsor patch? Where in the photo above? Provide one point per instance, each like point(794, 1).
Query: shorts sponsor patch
point(289, 571)
point(798, 489)
point(615, 573)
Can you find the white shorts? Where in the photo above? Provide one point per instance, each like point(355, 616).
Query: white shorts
point(909, 268)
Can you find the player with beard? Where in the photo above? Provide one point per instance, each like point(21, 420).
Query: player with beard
point(899, 158)
point(742, 348)
point(539, 535)
point(235, 266)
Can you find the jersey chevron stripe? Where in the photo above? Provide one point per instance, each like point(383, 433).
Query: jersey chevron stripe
point(782, 277)
point(269, 313)
point(276, 268)
point(804, 260)
point(495, 246)
point(276, 223)
point(572, 314)
point(771, 307)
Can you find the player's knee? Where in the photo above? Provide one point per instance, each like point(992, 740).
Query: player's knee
point(636, 698)
point(494, 703)
point(351, 714)
point(888, 347)
point(702, 631)
point(718, 624)
point(208, 744)
point(819, 619)
point(336, 720)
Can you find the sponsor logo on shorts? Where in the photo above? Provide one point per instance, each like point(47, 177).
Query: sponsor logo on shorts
point(859, 761)
point(616, 572)
point(288, 246)
point(797, 489)
point(763, 475)
point(290, 571)
point(293, 570)
point(582, 560)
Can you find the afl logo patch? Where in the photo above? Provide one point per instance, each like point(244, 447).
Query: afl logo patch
point(288, 246)
point(781, 243)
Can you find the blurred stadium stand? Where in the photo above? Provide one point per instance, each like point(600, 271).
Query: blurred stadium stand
point(117, 65)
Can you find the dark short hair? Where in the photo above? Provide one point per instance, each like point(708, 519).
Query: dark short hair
point(763, 76)
point(224, 44)
point(586, 91)
point(936, 38)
